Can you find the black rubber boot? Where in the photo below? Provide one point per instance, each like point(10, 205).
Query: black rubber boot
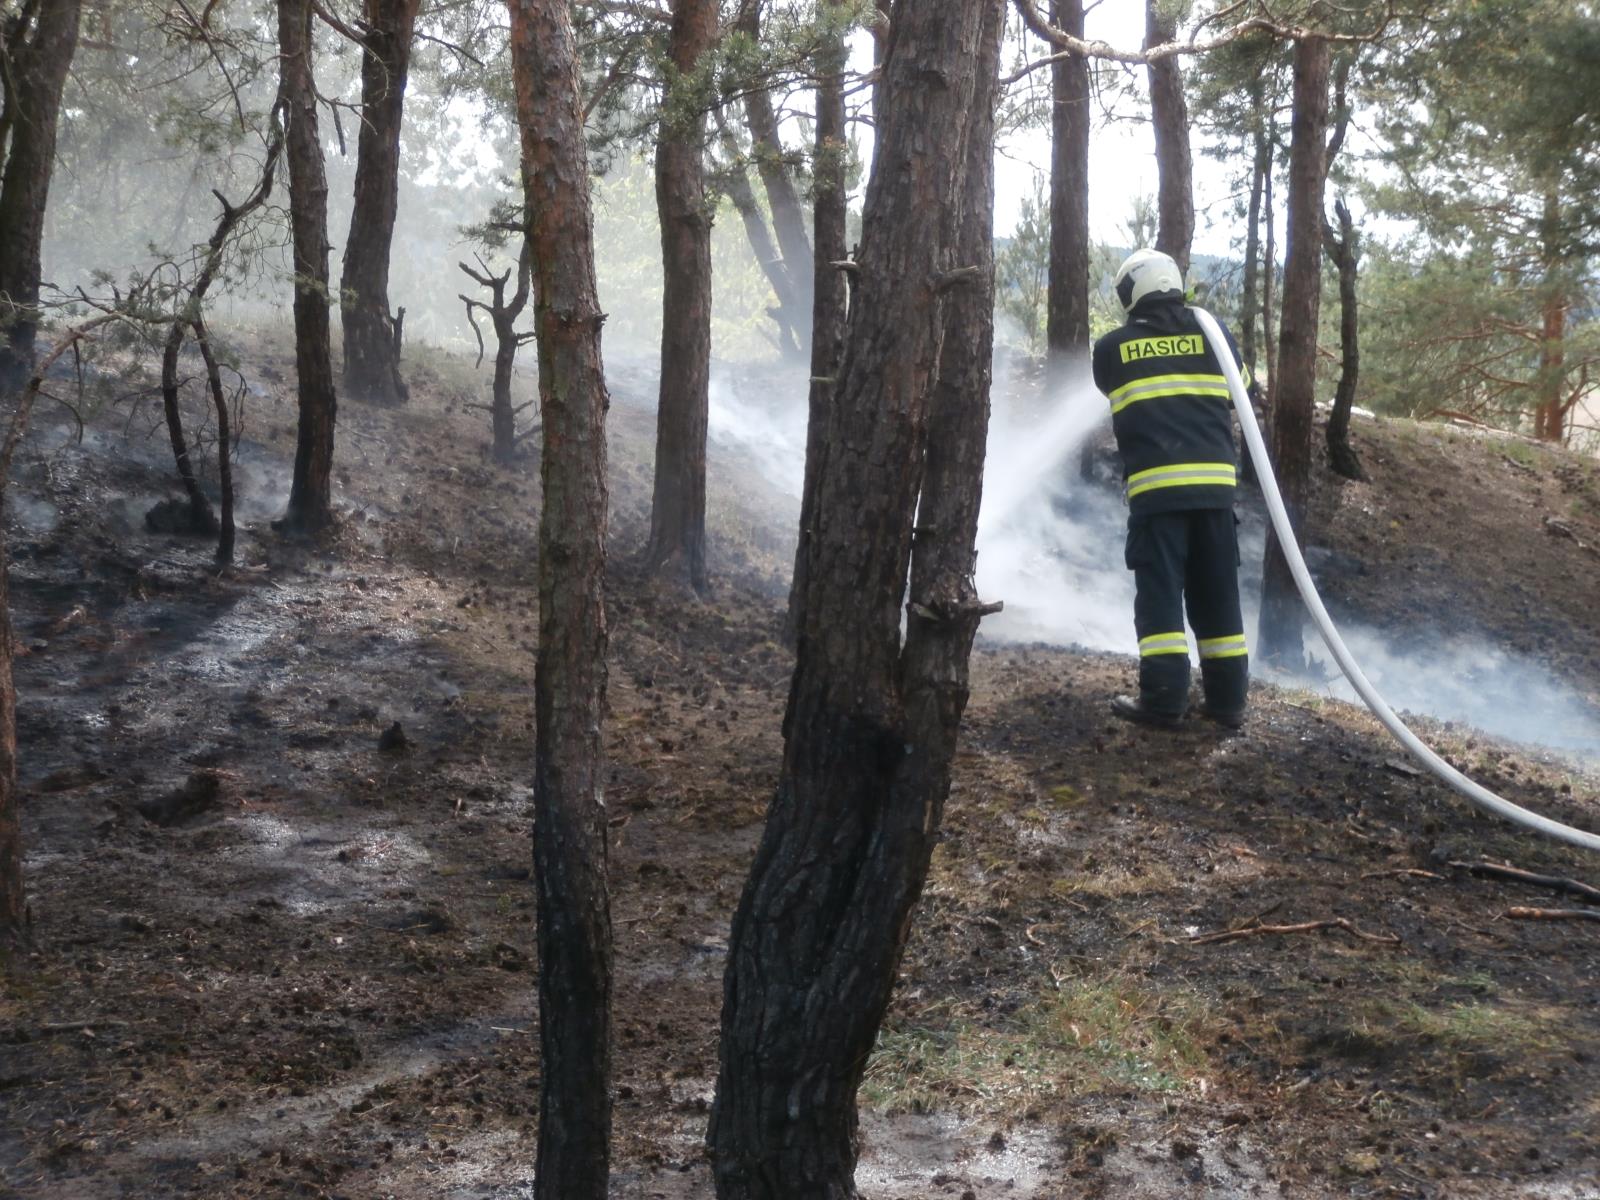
point(1132, 709)
point(1231, 718)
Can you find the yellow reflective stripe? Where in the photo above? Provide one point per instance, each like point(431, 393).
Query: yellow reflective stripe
point(1183, 475)
point(1164, 643)
point(1167, 385)
point(1223, 647)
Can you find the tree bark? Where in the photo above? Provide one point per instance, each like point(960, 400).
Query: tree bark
point(786, 313)
point(1249, 302)
point(1549, 423)
point(503, 316)
point(191, 313)
point(1067, 306)
point(677, 544)
point(311, 492)
point(201, 518)
point(34, 80)
point(226, 531)
point(1269, 276)
point(1250, 286)
point(1294, 390)
point(1067, 286)
point(829, 289)
point(870, 728)
point(371, 350)
point(569, 849)
point(772, 164)
point(1169, 117)
point(1345, 252)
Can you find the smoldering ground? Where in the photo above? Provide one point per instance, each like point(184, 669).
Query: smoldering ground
point(1050, 546)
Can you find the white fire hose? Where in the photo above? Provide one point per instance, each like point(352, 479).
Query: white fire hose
point(1476, 793)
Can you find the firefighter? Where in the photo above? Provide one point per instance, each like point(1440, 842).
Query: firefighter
point(1173, 422)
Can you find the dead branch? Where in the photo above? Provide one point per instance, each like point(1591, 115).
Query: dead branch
point(1556, 883)
point(1553, 914)
point(1233, 935)
point(1402, 873)
point(19, 418)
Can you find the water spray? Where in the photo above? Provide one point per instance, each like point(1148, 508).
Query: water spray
point(1479, 795)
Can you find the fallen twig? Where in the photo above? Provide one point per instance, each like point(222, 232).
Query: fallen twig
point(1554, 882)
point(1553, 914)
point(89, 1026)
point(1404, 872)
point(1231, 935)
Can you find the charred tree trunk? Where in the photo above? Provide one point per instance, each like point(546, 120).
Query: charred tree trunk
point(311, 492)
point(1294, 390)
point(569, 847)
point(678, 510)
point(201, 518)
point(191, 313)
point(786, 313)
point(772, 164)
point(371, 349)
point(503, 316)
point(1067, 288)
point(1169, 116)
point(871, 725)
point(1345, 252)
point(830, 295)
point(219, 399)
point(33, 78)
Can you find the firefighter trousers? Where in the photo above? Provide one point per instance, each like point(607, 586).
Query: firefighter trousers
point(1188, 559)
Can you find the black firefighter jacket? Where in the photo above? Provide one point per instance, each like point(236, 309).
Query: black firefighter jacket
point(1170, 409)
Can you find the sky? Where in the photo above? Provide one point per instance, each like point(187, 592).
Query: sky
point(1122, 165)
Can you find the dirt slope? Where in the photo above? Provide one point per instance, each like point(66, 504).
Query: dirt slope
point(315, 978)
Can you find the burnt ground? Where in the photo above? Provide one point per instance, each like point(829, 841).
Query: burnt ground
point(275, 959)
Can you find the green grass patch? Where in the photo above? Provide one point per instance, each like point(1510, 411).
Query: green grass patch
point(1092, 1036)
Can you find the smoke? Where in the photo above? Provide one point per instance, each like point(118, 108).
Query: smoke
point(1050, 545)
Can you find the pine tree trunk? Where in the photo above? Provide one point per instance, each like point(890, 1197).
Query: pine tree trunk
point(569, 849)
point(226, 532)
point(1294, 389)
point(1249, 302)
point(830, 301)
point(1345, 253)
point(201, 518)
point(1269, 276)
point(870, 729)
point(783, 200)
point(1067, 285)
point(786, 314)
point(1169, 117)
point(678, 511)
point(311, 492)
point(1550, 415)
point(371, 354)
point(1067, 311)
point(38, 73)
point(1250, 286)
point(502, 410)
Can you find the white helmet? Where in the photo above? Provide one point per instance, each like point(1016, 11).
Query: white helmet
point(1146, 273)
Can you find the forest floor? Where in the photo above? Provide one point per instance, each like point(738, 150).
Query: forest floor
point(275, 959)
